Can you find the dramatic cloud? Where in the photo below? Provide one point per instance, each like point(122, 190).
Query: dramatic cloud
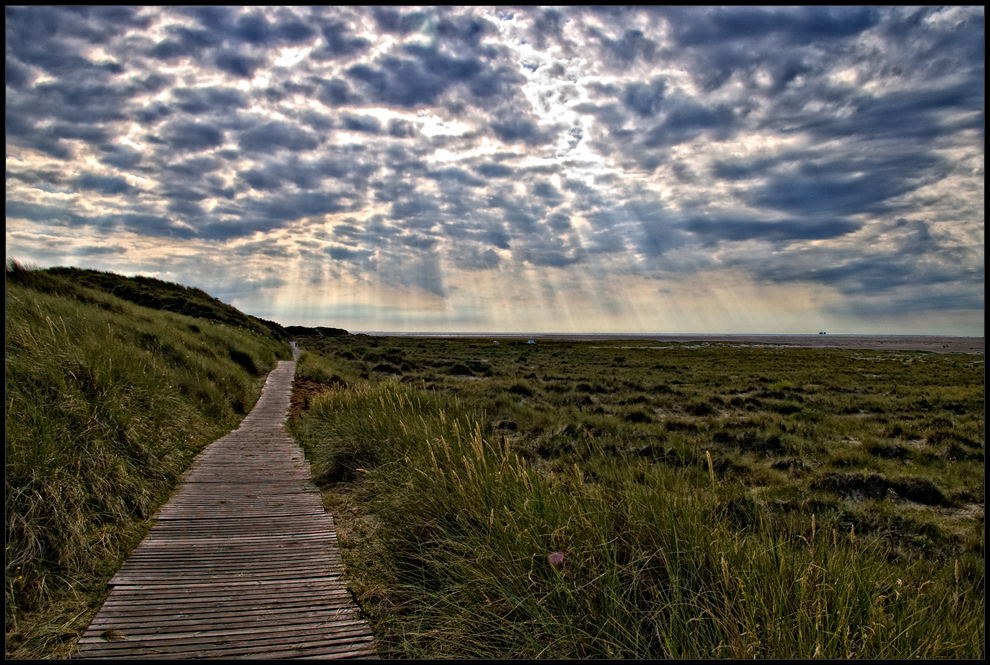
point(665, 169)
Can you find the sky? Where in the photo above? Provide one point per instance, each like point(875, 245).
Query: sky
point(736, 170)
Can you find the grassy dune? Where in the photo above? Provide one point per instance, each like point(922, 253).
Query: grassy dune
point(107, 402)
point(588, 500)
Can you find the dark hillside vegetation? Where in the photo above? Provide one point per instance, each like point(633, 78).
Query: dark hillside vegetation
point(107, 403)
point(145, 291)
point(318, 331)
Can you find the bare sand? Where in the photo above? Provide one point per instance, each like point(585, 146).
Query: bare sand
point(974, 345)
point(931, 343)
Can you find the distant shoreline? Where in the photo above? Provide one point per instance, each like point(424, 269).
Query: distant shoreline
point(931, 343)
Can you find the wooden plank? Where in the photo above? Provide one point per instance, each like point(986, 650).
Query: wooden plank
point(262, 639)
point(276, 634)
point(153, 613)
point(242, 562)
point(198, 605)
point(284, 647)
point(212, 631)
point(319, 591)
point(216, 587)
point(233, 587)
point(254, 554)
point(158, 567)
point(141, 607)
point(348, 648)
point(154, 619)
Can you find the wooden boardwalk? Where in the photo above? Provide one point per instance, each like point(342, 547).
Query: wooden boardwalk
point(242, 562)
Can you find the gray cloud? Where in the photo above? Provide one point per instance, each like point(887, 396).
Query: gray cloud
point(399, 23)
point(103, 184)
point(192, 135)
point(644, 99)
point(152, 225)
point(196, 101)
point(834, 146)
point(365, 124)
point(98, 250)
point(120, 157)
point(714, 230)
point(409, 82)
point(519, 129)
point(625, 50)
point(338, 42)
point(795, 26)
point(256, 29)
point(276, 136)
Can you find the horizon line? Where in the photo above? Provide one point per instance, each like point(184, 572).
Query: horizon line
point(387, 333)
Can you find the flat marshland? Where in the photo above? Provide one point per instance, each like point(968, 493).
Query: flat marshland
point(606, 498)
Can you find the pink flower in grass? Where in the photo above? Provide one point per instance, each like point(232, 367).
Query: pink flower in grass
point(556, 559)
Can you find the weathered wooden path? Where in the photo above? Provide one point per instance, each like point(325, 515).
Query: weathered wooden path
point(241, 563)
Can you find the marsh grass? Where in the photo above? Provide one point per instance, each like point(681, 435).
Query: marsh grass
point(738, 530)
point(107, 403)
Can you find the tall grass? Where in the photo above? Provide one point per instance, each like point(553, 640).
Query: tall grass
point(106, 404)
point(316, 368)
point(479, 554)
